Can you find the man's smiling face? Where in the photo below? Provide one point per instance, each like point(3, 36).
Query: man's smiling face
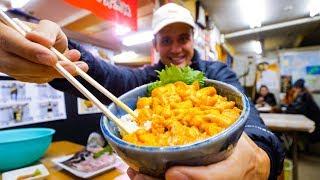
point(175, 44)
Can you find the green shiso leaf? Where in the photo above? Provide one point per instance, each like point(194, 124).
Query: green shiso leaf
point(104, 150)
point(173, 74)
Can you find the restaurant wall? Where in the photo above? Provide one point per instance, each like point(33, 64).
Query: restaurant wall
point(302, 63)
point(245, 69)
point(268, 74)
point(75, 128)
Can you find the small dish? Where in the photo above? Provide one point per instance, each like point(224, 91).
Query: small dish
point(58, 161)
point(15, 174)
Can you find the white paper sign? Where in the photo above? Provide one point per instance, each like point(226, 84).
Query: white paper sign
point(28, 103)
point(86, 107)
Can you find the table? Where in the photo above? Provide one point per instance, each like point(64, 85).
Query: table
point(264, 108)
point(61, 148)
point(289, 123)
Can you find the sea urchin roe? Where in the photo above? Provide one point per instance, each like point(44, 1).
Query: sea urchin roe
point(182, 114)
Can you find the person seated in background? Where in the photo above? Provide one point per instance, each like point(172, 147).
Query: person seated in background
point(288, 98)
point(264, 97)
point(303, 103)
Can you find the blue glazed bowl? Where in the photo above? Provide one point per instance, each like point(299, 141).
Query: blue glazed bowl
point(22, 147)
point(155, 161)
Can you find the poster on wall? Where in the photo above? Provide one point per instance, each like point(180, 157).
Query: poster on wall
point(200, 42)
point(245, 68)
point(122, 12)
point(313, 70)
point(285, 83)
point(98, 52)
point(28, 103)
point(303, 64)
point(86, 107)
point(268, 75)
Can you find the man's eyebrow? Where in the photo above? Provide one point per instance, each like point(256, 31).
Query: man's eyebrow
point(185, 34)
point(164, 36)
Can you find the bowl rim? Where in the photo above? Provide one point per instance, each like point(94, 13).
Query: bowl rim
point(238, 123)
point(48, 132)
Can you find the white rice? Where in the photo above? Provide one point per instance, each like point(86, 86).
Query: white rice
point(129, 120)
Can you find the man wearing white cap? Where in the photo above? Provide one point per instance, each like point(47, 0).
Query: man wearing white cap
point(173, 34)
point(258, 154)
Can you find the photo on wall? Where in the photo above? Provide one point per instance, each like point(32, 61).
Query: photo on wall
point(285, 83)
point(86, 107)
point(268, 75)
point(27, 103)
point(302, 64)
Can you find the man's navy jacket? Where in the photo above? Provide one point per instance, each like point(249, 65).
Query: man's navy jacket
point(119, 80)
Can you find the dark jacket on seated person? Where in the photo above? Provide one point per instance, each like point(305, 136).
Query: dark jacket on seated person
point(304, 104)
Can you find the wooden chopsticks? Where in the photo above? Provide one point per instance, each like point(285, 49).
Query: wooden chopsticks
point(23, 29)
point(84, 75)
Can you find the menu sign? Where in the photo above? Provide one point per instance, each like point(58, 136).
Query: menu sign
point(122, 12)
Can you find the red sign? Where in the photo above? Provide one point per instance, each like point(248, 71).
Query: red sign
point(122, 12)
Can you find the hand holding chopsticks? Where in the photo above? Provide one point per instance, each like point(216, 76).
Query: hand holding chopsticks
point(83, 74)
point(23, 29)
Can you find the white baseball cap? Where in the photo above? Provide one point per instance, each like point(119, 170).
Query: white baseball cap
point(171, 13)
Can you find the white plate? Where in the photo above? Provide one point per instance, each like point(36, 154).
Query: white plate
point(13, 175)
point(58, 161)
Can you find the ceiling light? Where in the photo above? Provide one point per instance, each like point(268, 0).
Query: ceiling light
point(121, 29)
point(18, 3)
point(314, 7)
point(257, 47)
point(253, 12)
point(138, 38)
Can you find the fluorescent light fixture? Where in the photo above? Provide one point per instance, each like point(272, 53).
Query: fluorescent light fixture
point(314, 7)
point(121, 29)
point(257, 47)
point(18, 3)
point(253, 12)
point(137, 38)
